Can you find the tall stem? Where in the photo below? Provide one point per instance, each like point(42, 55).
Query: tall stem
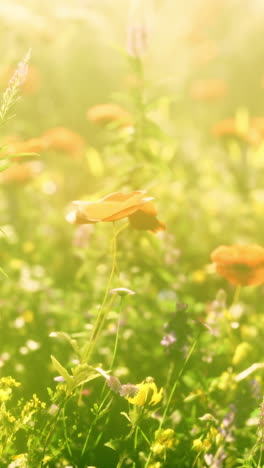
point(117, 333)
point(173, 390)
point(236, 295)
point(103, 311)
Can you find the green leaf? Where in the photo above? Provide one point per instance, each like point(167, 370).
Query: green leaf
point(118, 445)
point(82, 374)
point(62, 371)
point(19, 155)
point(3, 272)
point(5, 166)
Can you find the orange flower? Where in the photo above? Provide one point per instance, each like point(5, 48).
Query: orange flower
point(106, 113)
point(240, 264)
point(208, 89)
point(33, 145)
point(140, 211)
point(20, 173)
point(145, 218)
point(64, 139)
point(228, 128)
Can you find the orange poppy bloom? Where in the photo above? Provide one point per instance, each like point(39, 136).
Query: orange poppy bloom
point(226, 127)
point(240, 264)
point(229, 128)
point(33, 145)
point(64, 139)
point(145, 219)
point(20, 173)
point(203, 90)
point(140, 211)
point(106, 113)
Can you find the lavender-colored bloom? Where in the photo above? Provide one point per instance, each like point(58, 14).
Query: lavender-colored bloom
point(136, 39)
point(215, 461)
point(261, 416)
point(114, 383)
point(255, 388)
point(10, 95)
point(20, 74)
point(59, 378)
point(129, 390)
point(137, 33)
point(168, 339)
point(126, 390)
point(226, 428)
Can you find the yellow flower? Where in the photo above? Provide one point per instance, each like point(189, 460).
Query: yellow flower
point(148, 394)
point(10, 418)
point(9, 382)
point(164, 439)
point(242, 352)
point(28, 247)
point(4, 395)
point(198, 445)
point(28, 316)
point(198, 276)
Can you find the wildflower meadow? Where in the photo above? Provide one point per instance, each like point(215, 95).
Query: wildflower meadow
point(132, 234)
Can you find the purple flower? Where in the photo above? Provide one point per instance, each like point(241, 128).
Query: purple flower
point(168, 339)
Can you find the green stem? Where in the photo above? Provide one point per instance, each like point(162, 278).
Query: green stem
point(196, 459)
point(98, 330)
point(94, 422)
point(102, 314)
point(144, 436)
point(260, 458)
point(120, 462)
point(65, 431)
point(117, 333)
point(177, 380)
point(236, 295)
point(136, 437)
point(116, 340)
point(87, 438)
point(51, 430)
point(173, 390)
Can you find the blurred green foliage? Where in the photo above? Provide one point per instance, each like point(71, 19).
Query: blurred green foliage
point(208, 190)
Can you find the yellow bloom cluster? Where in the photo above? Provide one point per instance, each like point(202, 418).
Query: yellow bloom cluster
point(212, 437)
point(164, 439)
point(6, 384)
point(9, 382)
point(30, 408)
